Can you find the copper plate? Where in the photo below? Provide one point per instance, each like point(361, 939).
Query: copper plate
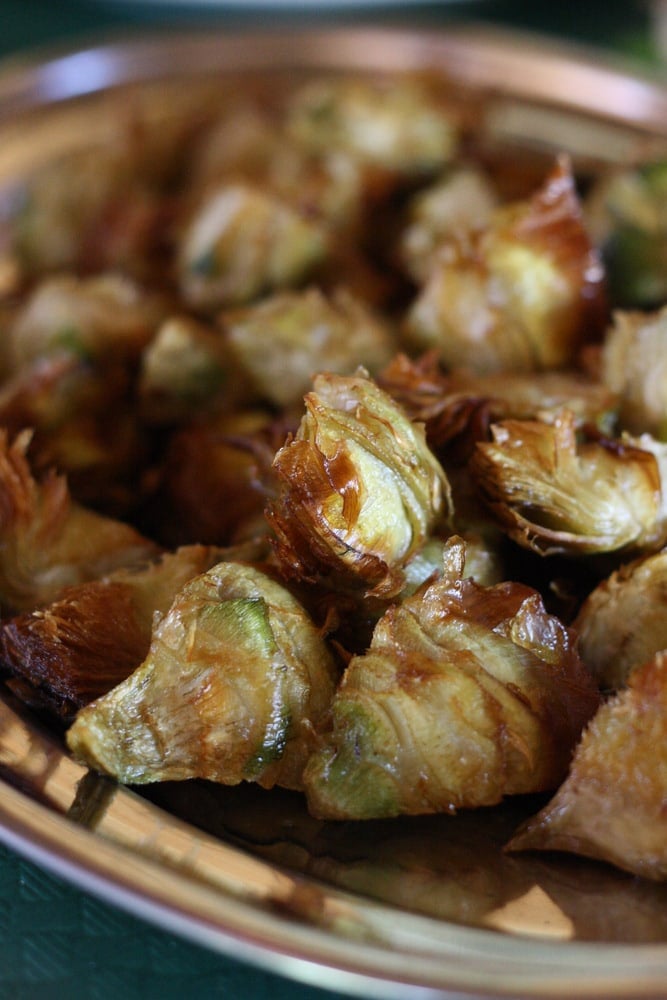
point(421, 907)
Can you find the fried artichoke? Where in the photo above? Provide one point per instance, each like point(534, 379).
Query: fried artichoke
point(627, 217)
point(282, 340)
point(235, 684)
point(460, 405)
point(467, 694)
point(554, 495)
point(623, 622)
point(253, 145)
point(187, 368)
point(47, 540)
point(462, 200)
point(520, 294)
point(103, 318)
point(634, 365)
point(397, 125)
point(63, 656)
point(216, 478)
point(243, 242)
point(612, 805)
point(359, 490)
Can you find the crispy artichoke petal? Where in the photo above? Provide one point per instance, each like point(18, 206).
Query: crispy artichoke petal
point(90, 639)
point(48, 541)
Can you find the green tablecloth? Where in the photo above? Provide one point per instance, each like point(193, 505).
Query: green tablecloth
point(55, 941)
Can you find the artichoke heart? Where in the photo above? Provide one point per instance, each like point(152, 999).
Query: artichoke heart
point(360, 491)
point(467, 694)
point(235, 683)
point(554, 495)
point(612, 805)
point(101, 318)
point(464, 199)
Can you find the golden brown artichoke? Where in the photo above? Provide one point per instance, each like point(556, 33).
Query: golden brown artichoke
point(282, 340)
point(244, 242)
point(520, 294)
point(359, 490)
point(554, 495)
point(395, 124)
point(623, 622)
point(100, 319)
point(253, 144)
point(187, 368)
point(235, 683)
point(464, 199)
point(612, 805)
point(467, 694)
point(64, 655)
point(634, 365)
point(47, 540)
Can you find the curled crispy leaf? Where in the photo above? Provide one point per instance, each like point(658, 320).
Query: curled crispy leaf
point(623, 622)
point(48, 541)
point(520, 294)
point(359, 490)
point(467, 694)
point(553, 495)
point(65, 655)
point(612, 805)
point(236, 679)
point(458, 406)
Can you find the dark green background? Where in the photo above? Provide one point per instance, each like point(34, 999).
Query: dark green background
point(56, 942)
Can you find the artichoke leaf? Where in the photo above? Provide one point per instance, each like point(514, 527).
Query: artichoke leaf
point(63, 656)
point(47, 540)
